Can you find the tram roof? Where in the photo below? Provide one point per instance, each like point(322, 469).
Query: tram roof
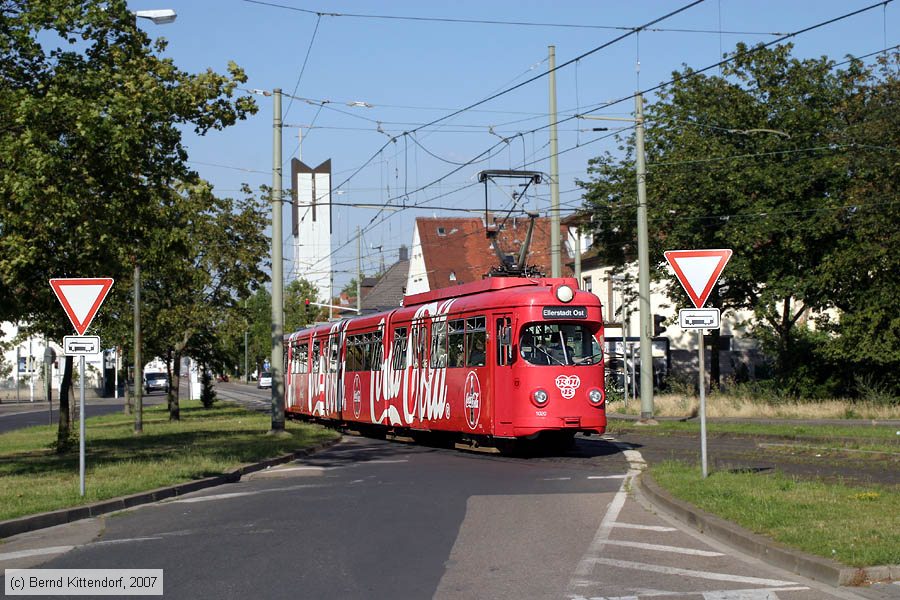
point(485, 285)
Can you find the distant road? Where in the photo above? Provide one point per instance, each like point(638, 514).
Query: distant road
point(27, 414)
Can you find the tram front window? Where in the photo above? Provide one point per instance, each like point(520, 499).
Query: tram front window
point(559, 344)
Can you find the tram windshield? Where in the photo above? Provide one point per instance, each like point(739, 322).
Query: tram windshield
point(559, 344)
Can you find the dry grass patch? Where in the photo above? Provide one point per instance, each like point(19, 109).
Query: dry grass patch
point(723, 405)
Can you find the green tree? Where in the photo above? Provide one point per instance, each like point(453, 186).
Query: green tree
point(746, 161)
point(297, 313)
point(863, 269)
point(218, 246)
point(89, 149)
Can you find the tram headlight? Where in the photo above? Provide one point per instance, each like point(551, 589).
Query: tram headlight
point(564, 293)
point(596, 397)
point(540, 397)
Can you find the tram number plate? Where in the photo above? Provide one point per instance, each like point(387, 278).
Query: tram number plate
point(565, 312)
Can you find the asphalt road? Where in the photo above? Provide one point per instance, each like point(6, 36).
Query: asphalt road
point(375, 519)
point(26, 414)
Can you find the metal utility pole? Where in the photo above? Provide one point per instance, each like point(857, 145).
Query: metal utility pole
point(555, 267)
point(138, 365)
point(246, 364)
point(358, 271)
point(643, 267)
point(277, 366)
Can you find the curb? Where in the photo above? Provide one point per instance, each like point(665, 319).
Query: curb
point(19, 525)
point(761, 547)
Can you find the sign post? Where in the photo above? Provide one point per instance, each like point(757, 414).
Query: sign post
point(81, 299)
point(698, 271)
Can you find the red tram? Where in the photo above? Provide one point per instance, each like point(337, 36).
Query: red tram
point(489, 362)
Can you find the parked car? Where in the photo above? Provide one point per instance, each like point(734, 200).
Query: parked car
point(156, 381)
point(265, 380)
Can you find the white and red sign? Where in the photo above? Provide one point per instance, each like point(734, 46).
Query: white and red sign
point(81, 298)
point(698, 271)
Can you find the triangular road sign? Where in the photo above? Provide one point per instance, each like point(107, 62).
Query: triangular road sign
point(698, 271)
point(81, 297)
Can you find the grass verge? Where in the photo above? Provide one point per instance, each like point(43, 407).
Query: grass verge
point(868, 438)
point(34, 479)
point(856, 526)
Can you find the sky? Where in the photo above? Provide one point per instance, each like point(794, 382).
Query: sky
point(361, 73)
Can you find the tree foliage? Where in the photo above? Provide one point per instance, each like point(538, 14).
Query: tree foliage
point(90, 151)
point(764, 159)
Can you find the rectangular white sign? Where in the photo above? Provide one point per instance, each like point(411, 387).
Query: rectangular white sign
point(698, 318)
point(81, 345)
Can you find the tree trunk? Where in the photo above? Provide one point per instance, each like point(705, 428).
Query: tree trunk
point(173, 365)
point(64, 431)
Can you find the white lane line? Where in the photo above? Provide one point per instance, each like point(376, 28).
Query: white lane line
point(622, 476)
point(661, 548)
point(556, 479)
point(627, 564)
point(230, 495)
point(124, 541)
point(286, 469)
point(645, 527)
point(745, 594)
point(35, 552)
point(586, 564)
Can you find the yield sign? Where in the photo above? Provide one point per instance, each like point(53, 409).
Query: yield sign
point(698, 271)
point(81, 298)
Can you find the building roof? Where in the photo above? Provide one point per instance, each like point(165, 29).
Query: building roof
point(387, 293)
point(456, 250)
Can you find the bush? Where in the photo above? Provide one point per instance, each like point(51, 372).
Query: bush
point(207, 393)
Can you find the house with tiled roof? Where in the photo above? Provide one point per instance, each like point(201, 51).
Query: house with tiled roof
point(386, 292)
point(448, 251)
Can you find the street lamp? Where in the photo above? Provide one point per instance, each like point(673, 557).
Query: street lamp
point(158, 17)
point(162, 16)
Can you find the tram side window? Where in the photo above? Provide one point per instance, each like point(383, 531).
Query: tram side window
point(399, 349)
point(476, 337)
point(300, 354)
point(353, 361)
point(456, 337)
point(439, 344)
point(373, 353)
point(420, 346)
point(317, 351)
point(504, 341)
point(333, 352)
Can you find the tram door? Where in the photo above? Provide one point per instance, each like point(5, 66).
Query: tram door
point(505, 393)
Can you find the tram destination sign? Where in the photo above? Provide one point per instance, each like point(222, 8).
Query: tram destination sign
point(565, 312)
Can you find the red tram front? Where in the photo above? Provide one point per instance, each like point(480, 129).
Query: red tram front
point(498, 359)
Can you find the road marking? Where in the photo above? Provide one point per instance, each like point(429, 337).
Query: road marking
point(626, 564)
point(622, 476)
point(124, 541)
point(35, 552)
point(230, 495)
point(285, 469)
point(645, 527)
point(746, 594)
point(586, 564)
point(673, 549)
point(556, 479)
